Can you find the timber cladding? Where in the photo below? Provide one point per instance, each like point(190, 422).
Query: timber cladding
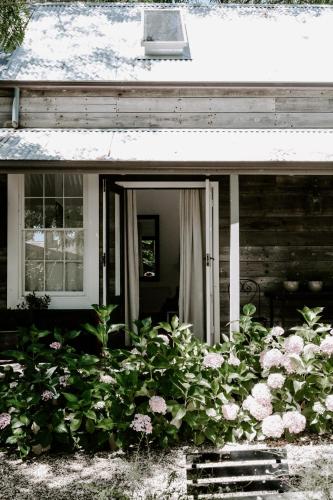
point(3, 241)
point(286, 232)
point(172, 107)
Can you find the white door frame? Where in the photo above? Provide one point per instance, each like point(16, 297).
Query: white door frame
point(212, 242)
point(234, 260)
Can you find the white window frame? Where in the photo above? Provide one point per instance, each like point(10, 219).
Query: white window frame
point(15, 258)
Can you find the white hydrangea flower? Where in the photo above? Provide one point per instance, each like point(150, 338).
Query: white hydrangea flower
point(233, 360)
point(294, 421)
point(329, 402)
point(142, 423)
point(261, 393)
point(272, 426)
point(318, 408)
point(158, 405)
point(272, 358)
point(230, 411)
point(276, 380)
point(210, 412)
point(277, 331)
point(100, 405)
point(294, 344)
point(310, 349)
point(326, 345)
point(257, 410)
point(107, 379)
point(212, 360)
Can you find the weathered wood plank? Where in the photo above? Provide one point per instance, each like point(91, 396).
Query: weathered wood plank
point(304, 120)
point(6, 104)
point(304, 105)
point(68, 104)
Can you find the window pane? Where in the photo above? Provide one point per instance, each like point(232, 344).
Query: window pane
point(54, 212)
point(74, 277)
point(54, 245)
point(54, 276)
point(73, 185)
point(54, 185)
point(74, 212)
point(34, 276)
point(74, 245)
point(33, 212)
point(33, 185)
point(34, 245)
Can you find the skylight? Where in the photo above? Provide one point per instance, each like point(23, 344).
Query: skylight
point(164, 32)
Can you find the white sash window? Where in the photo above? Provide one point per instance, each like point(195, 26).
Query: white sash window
point(53, 238)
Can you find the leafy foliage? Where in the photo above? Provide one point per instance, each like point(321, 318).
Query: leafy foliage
point(14, 15)
point(169, 387)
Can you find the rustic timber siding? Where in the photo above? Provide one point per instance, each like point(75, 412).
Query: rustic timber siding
point(205, 107)
point(279, 235)
point(3, 240)
point(6, 99)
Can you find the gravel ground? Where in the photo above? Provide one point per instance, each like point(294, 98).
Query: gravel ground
point(143, 476)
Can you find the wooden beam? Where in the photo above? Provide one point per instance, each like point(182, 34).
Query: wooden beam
point(234, 254)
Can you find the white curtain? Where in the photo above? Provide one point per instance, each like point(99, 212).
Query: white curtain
point(131, 259)
point(191, 285)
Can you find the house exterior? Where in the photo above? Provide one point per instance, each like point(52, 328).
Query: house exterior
point(187, 181)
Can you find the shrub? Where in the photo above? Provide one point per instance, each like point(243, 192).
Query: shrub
point(169, 387)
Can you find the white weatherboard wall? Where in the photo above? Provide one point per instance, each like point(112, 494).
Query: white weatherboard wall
point(165, 203)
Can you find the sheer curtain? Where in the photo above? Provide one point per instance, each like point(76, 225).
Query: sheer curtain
point(191, 284)
point(131, 258)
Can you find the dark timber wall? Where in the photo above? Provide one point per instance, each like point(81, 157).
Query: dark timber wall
point(182, 107)
point(286, 232)
point(3, 240)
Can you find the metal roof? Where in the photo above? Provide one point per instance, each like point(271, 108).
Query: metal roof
point(167, 146)
point(228, 43)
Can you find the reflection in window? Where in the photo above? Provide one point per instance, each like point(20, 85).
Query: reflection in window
point(53, 234)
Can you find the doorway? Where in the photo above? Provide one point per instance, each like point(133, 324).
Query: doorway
point(163, 252)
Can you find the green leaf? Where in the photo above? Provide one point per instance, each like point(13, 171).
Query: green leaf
point(106, 423)
point(11, 440)
point(61, 428)
point(75, 424)
point(70, 397)
point(50, 371)
point(90, 426)
point(90, 414)
point(249, 309)
point(177, 420)
point(24, 419)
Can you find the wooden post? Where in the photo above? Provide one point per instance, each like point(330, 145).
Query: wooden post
point(234, 254)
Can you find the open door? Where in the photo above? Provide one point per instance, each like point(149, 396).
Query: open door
point(212, 262)
point(113, 262)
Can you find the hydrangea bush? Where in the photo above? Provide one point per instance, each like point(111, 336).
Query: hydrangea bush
point(168, 387)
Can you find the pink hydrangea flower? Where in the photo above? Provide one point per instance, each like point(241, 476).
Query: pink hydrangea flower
point(212, 360)
point(291, 364)
point(63, 380)
point(329, 402)
point(294, 421)
point(142, 423)
point(47, 395)
point(257, 410)
point(294, 344)
point(55, 345)
point(164, 338)
point(318, 408)
point(277, 331)
point(100, 405)
point(5, 420)
point(158, 405)
point(326, 345)
point(310, 349)
point(272, 426)
point(275, 380)
point(230, 411)
point(107, 379)
point(261, 394)
point(272, 358)
point(233, 360)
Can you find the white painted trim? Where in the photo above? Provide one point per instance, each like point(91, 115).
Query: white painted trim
point(117, 234)
point(59, 300)
point(216, 261)
point(208, 262)
point(161, 185)
point(234, 254)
